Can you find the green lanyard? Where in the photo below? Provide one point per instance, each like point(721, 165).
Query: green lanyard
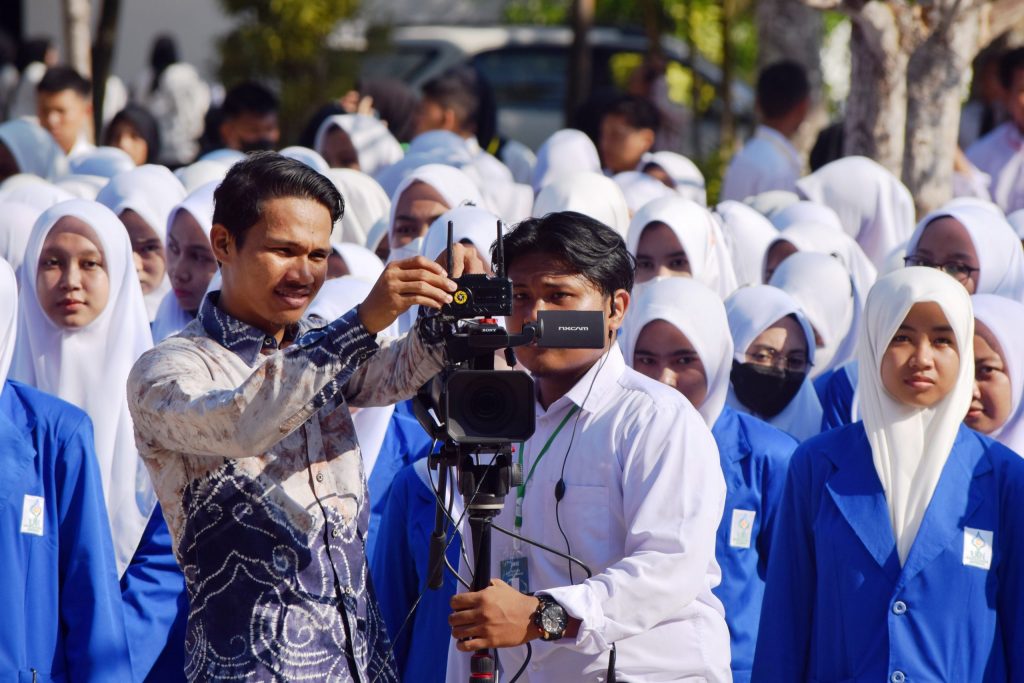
point(521, 489)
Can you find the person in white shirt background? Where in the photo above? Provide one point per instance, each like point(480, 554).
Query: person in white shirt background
point(628, 129)
point(769, 161)
point(1000, 154)
point(632, 487)
point(64, 108)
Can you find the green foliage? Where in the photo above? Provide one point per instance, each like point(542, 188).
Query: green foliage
point(283, 43)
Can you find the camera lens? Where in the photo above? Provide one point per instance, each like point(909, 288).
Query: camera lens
point(488, 406)
point(485, 406)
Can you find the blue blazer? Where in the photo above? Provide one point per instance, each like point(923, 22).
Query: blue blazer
point(838, 605)
point(59, 598)
point(755, 457)
point(837, 396)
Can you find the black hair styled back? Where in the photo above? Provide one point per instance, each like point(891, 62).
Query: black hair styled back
point(249, 97)
point(638, 112)
point(587, 245)
point(781, 87)
point(262, 176)
point(456, 89)
point(60, 78)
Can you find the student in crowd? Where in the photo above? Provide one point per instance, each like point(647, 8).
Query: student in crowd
point(628, 127)
point(249, 118)
point(998, 370)
point(773, 355)
point(678, 173)
point(28, 148)
point(62, 604)
point(566, 152)
point(591, 194)
point(896, 554)
point(357, 141)
point(769, 161)
point(748, 235)
point(677, 333)
point(676, 237)
point(997, 153)
point(630, 485)
point(143, 198)
point(134, 130)
point(82, 324)
point(425, 194)
point(64, 108)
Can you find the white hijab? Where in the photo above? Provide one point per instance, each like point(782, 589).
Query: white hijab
point(33, 148)
point(171, 318)
point(105, 162)
point(640, 189)
point(34, 191)
point(699, 234)
point(150, 191)
point(566, 152)
point(1005, 319)
point(687, 179)
point(825, 292)
point(362, 263)
point(478, 226)
point(307, 156)
point(8, 318)
point(747, 235)
point(751, 311)
point(910, 445)
point(875, 208)
point(336, 298)
point(435, 147)
point(89, 366)
point(805, 211)
point(698, 313)
point(201, 172)
point(376, 146)
point(365, 204)
point(454, 186)
point(1016, 221)
point(15, 228)
point(1000, 257)
point(82, 186)
point(589, 193)
point(769, 203)
point(817, 238)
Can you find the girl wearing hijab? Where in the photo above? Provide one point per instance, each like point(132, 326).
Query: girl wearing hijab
point(82, 324)
point(589, 193)
point(678, 173)
point(357, 141)
point(897, 550)
point(26, 147)
point(566, 152)
point(62, 618)
point(353, 260)
point(773, 354)
point(191, 263)
point(676, 237)
point(874, 207)
point(639, 189)
point(996, 406)
point(677, 333)
point(747, 235)
point(817, 237)
point(365, 204)
point(143, 198)
point(968, 240)
point(825, 292)
point(420, 199)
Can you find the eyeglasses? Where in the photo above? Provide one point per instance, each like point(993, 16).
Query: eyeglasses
point(774, 358)
point(961, 272)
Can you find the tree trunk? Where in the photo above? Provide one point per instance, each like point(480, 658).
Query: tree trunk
point(77, 35)
point(937, 73)
point(789, 29)
point(876, 108)
point(103, 55)
point(579, 57)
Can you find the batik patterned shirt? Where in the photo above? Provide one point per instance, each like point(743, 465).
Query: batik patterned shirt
point(256, 464)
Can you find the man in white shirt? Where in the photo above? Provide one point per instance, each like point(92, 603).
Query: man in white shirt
point(621, 474)
point(1000, 154)
point(769, 161)
point(64, 107)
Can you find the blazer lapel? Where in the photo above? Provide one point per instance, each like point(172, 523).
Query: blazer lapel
point(858, 494)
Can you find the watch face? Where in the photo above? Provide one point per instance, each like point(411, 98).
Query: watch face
point(553, 619)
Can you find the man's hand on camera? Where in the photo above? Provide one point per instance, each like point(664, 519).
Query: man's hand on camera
point(411, 282)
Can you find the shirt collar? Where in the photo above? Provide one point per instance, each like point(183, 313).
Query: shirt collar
point(242, 339)
point(598, 382)
point(779, 140)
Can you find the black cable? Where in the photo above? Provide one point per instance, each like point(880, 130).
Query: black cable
point(526, 663)
point(546, 548)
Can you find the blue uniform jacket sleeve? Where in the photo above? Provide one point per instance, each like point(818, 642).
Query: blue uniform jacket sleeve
point(1010, 597)
point(837, 401)
point(784, 635)
point(155, 606)
point(92, 620)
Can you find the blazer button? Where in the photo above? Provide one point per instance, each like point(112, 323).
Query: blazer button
point(899, 607)
point(898, 677)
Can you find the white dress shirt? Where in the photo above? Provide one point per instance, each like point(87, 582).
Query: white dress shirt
point(1000, 155)
point(768, 161)
point(644, 495)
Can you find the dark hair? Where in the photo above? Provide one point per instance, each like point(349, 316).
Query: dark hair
point(139, 118)
point(1009, 64)
point(395, 101)
point(238, 200)
point(249, 97)
point(828, 147)
point(638, 112)
point(163, 54)
point(781, 87)
point(33, 50)
point(586, 245)
point(456, 89)
point(60, 78)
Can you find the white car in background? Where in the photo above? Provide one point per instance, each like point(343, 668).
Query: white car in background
point(528, 65)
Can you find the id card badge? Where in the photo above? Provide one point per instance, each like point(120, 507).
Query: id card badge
point(515, 570)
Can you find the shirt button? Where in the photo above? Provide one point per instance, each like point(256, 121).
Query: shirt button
point(899, 607)
point(319, 476)
point(335, 533)
point(898, 677)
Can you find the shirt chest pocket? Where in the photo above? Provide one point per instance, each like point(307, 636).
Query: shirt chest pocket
point(585, 517)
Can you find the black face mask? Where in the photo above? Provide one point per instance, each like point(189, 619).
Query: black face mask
point(765, 390)
point(257, 145)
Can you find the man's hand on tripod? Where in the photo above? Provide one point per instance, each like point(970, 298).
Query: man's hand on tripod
point(497, 616)
point(414, 281)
